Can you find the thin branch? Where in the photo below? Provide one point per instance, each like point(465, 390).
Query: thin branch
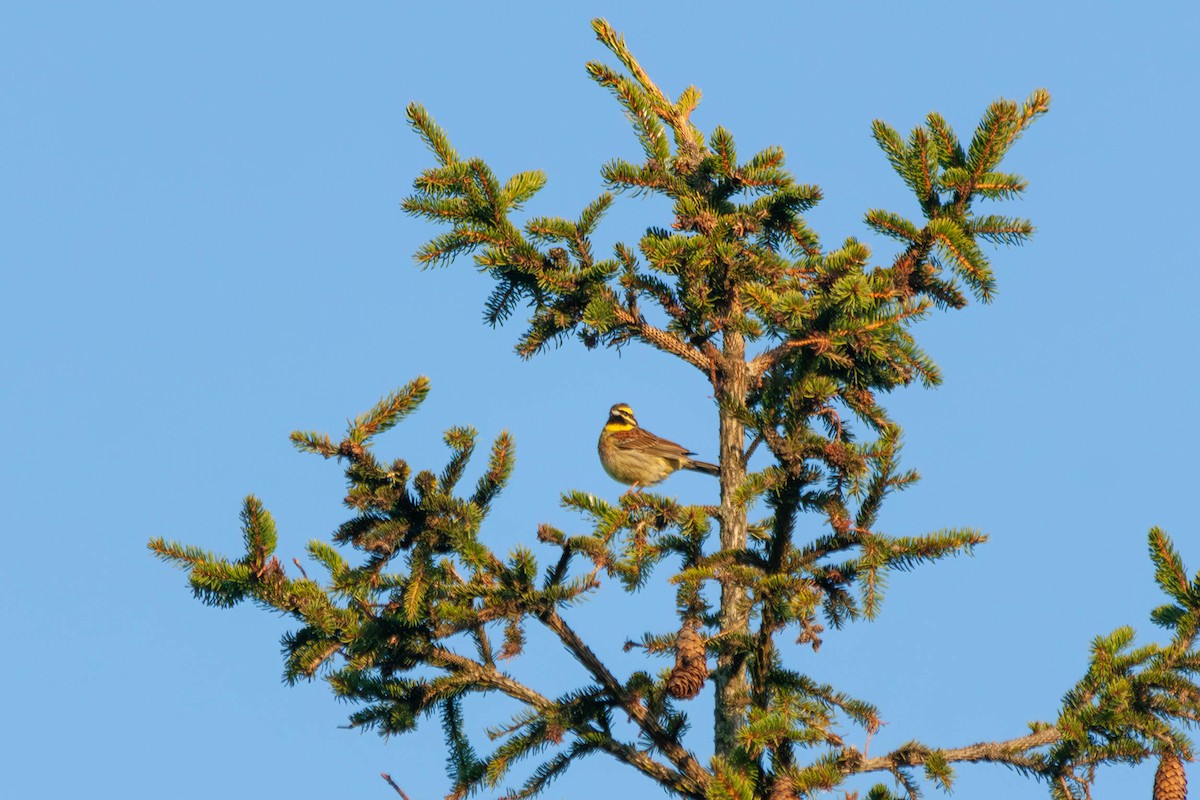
point(760, 364)
point(1012, 751)
point(695, 775)
point(765, 360)
point(392, 784)
point(753, 446)
point(485, 645)
point(667, 342)
point(487, 675)
point(673, 779)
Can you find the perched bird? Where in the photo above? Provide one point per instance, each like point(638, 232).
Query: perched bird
point(637, 457)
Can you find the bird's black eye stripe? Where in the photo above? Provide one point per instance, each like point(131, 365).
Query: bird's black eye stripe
point(621, 414)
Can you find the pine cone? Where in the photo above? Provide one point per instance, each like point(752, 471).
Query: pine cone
point(691, 665)
point(1170, 782)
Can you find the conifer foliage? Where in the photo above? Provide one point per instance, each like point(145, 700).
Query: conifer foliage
point(799, 342)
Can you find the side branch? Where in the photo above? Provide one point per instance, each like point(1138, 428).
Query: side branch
point(486, 675)
point(1013, 751)
point(665, 341)
point(666, 776)
point(761, 363)
point(489, 676)
point(494, 679)
point(696, 776)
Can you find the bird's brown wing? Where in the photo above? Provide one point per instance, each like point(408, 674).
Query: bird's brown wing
point(638, 439)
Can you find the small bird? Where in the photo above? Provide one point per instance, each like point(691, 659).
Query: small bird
point(637, 457)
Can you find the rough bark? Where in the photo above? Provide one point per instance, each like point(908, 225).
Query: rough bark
point(730, 675)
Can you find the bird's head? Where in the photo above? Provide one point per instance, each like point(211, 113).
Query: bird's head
point(621, 416)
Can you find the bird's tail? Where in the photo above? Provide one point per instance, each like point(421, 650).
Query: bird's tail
point(702, 466)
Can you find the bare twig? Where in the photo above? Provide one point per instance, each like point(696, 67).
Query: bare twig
point(392, 783)
point(753, 446)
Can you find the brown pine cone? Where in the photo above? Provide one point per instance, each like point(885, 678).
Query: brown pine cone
point(691, 665)
point(1170, 782)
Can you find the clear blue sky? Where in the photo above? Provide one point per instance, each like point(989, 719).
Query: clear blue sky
point(201, 250)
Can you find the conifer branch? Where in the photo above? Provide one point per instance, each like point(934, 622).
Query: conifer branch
point(695, 775)
point(1014, 752)
point(823, 342)
point(672, 780)
point(763, 362)
point(662, 340)
point(677, 116)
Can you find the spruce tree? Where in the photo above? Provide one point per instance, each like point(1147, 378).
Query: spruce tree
point(800, 342)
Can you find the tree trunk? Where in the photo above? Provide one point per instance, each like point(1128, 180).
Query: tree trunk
point(730, 675)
